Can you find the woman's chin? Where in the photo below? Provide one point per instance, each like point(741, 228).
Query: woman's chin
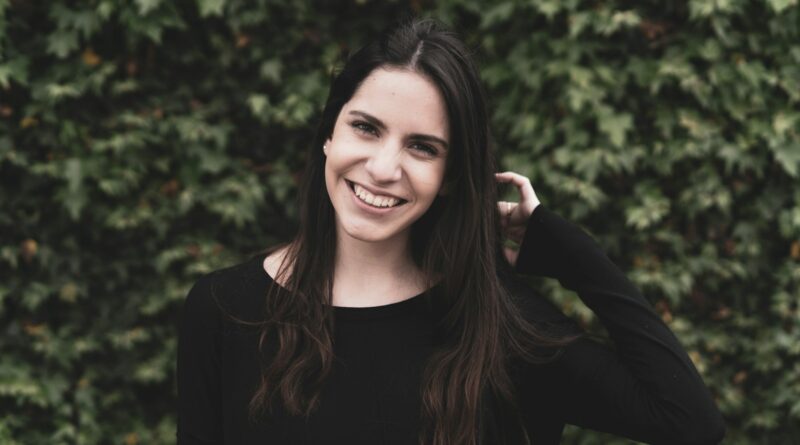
point(368, 233)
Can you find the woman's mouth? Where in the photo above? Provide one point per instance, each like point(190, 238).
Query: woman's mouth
point(372, 200)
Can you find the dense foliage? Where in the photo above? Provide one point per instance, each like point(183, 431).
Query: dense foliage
point(144, 143)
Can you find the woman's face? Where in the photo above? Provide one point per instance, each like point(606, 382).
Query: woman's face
point(386, 157)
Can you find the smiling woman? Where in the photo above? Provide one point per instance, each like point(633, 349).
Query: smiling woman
point(395, 316)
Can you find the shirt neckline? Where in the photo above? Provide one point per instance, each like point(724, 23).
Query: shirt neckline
point(411, 305)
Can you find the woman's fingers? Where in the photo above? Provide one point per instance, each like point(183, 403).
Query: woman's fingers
point(506, 210)
point(522, 183)
point(511, 255)
point(514, 215)
point(528, 198)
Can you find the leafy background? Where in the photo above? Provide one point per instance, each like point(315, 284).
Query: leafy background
point(144, 143)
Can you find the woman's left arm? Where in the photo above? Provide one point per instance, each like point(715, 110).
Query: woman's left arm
point(648, 389)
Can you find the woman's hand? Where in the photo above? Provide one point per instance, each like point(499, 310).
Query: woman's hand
point(514, 215)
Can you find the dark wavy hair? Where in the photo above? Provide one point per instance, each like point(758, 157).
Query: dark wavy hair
point(458, 240)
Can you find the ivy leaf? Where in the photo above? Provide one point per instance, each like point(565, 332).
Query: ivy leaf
point(615, 126)
point(270, 70)
point(779, 5)
point(259, 106)
point(210, 7)
point(87, 22)
point(549, 8)
point(497, 14)
point(145, 6)
point(60, 43)
point(788, 156)
point(651, 208)
point(75, 195)
point(14, 69)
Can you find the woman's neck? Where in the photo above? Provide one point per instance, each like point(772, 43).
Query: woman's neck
point(374, 273)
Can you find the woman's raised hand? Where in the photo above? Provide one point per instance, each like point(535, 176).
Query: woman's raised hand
point(514, 215)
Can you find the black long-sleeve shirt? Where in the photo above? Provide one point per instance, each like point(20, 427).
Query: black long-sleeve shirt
point(646, 389)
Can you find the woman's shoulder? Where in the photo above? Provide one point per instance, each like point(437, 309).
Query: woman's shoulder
point(273, 261)
point(236, 291)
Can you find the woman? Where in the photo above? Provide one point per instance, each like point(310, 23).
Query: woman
point(394, 316)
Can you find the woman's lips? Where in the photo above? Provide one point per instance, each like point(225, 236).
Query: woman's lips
point(373, 192)
point(369, 207)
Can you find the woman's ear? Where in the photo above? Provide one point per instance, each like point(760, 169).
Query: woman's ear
point(325, 146)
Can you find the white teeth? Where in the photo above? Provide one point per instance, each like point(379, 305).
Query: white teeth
point(376, 201)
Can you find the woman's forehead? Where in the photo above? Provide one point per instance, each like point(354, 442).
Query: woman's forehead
point(402, 98)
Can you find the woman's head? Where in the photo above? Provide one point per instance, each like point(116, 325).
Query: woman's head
point(446, 99)
point(385, 159)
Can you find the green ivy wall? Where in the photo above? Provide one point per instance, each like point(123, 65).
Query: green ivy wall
point(144, 143)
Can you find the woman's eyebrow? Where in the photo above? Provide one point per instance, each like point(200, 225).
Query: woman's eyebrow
point(369, 118)
point(417, 136)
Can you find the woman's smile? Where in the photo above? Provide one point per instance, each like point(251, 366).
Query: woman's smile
point(377, 203)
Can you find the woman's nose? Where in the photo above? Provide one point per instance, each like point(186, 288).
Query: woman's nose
point(384, 164)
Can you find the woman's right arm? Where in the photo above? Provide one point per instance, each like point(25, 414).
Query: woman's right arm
point(199, 403)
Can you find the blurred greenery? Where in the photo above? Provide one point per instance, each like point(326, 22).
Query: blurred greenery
point(144, 143)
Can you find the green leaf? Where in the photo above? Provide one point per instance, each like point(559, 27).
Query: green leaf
point(87, 22)
point(73, 172)
point(35, 294)
point(651, 207)
point(497, 13)
point(61, 42)
point(211, 7)
point(270, 70)
point(75, 197)
point(788, 156)
point(258, 104)
point(780, 5)
point(145, 6)
point(14, 69)
point(615, 126)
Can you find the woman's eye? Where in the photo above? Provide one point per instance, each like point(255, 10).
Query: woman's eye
point(425, 148)
point(365, 128)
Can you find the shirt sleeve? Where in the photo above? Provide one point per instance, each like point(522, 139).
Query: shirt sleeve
point(198, 368)
point(647, 389)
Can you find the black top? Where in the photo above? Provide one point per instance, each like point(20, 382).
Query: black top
point(646, 388)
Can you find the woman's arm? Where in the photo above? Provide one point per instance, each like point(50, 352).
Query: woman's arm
point(199, 403)
point(648, 389)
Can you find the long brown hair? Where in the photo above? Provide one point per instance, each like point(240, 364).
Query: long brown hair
point(457, 240)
